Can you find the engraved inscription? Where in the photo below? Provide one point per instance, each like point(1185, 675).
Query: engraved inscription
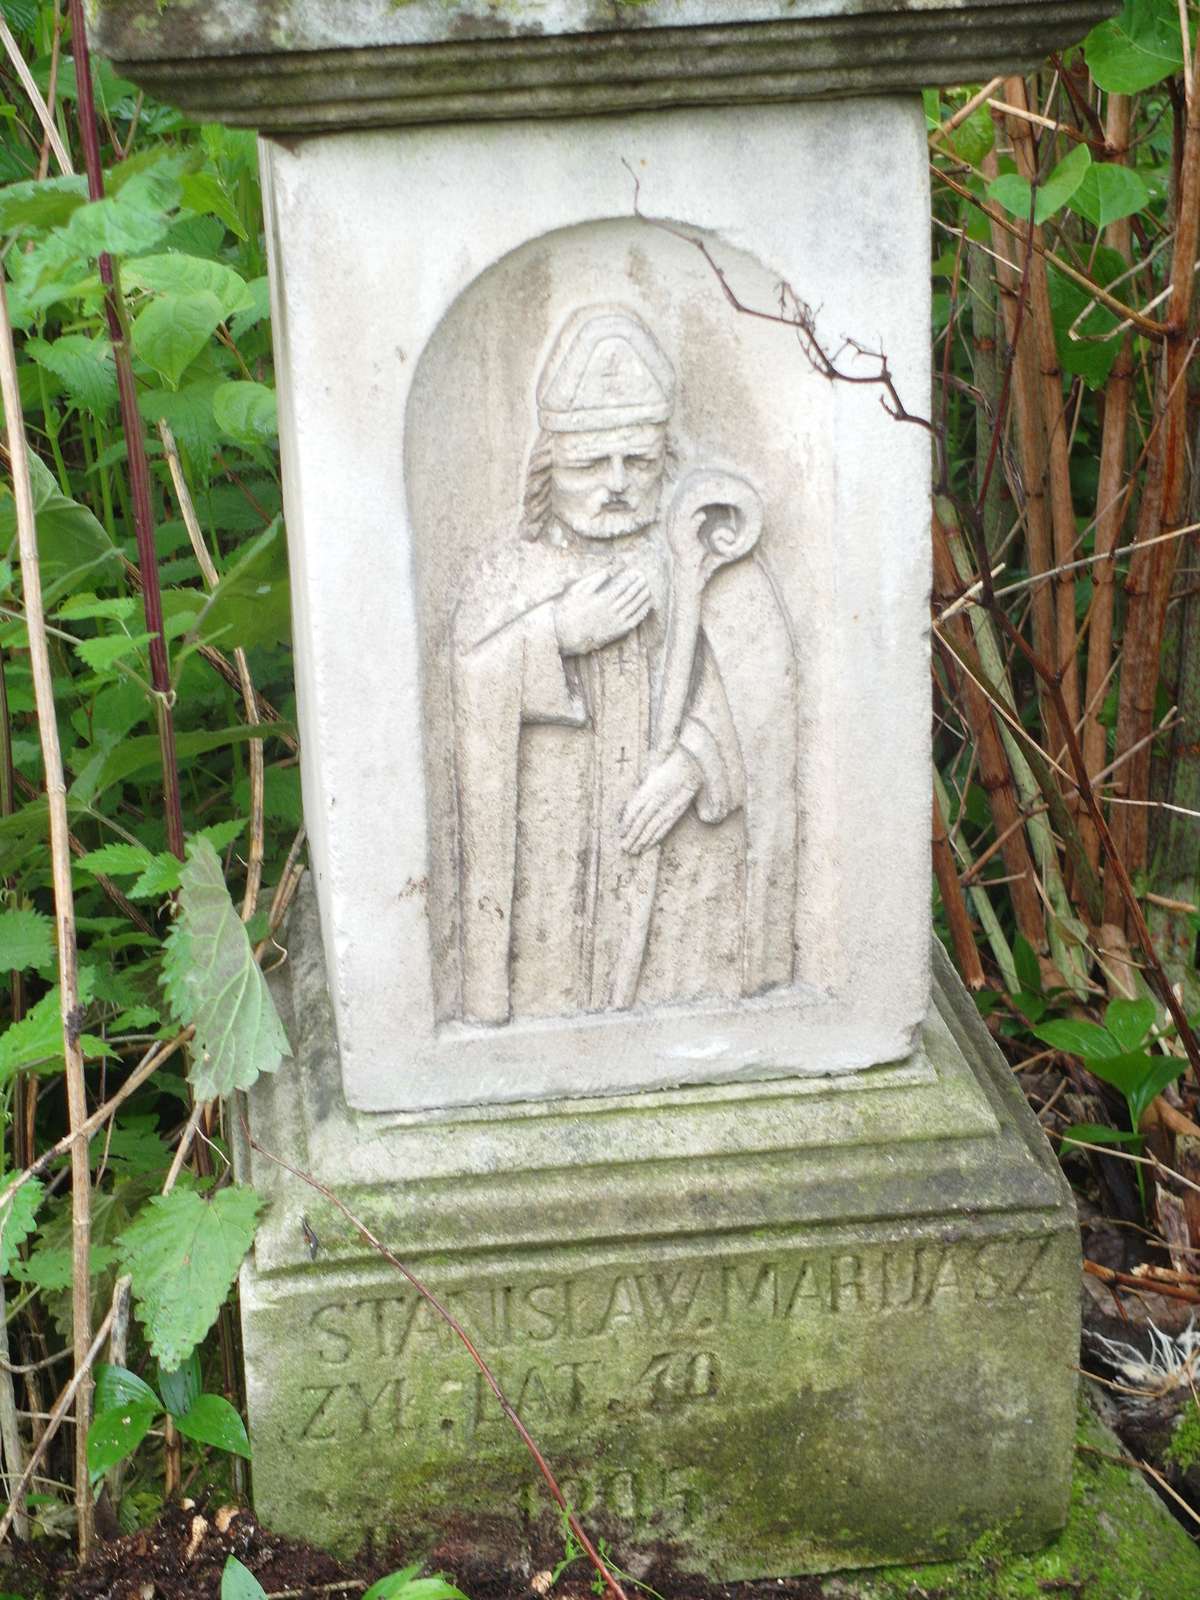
point(624, 685)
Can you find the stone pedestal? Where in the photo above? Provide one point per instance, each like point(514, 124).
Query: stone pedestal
point(612, 1007)
point(761, 1328)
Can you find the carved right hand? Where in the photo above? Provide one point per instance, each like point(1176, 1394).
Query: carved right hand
point(599, 608)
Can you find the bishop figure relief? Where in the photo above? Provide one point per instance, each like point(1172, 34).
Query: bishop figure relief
point(624, 663)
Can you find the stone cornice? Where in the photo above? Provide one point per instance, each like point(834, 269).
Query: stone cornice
point(308, 66)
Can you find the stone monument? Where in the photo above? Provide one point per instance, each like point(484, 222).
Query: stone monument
point(613, 1008)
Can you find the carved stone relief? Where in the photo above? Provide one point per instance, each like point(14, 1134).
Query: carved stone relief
point(624, 659)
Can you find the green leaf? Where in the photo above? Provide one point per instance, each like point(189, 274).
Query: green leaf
point(116, 860)
point(246, 412)
point(1129, 1021)
point(71, 542)
point(121, 224)
point(1098, 1133)
point(212, 981)
point(1136, 50)
point(1108, 192)
point(203, 193)
point(103, 653)
point(161, 877)
point(36, 1040)
point(1011, 191)
point(171, 331)
point(85, 607)
point(188, 412)
point(116, 1434)
point(221, 834)
point(1161, 1071)
point(52, 1269)
point(18, 1220)
point(259, 309)
point(26, 940)
point(144, 753)
point(405, 1585)
point(182, 1253)
point(1026, 962)
point(183, 275)
point(1089, 355)
point(1079, 1038)
point(47, 203)
point(117, 1386)
point(85, 365)
point(239, 1583)
point(181, 1386)
point(212, 1420)
point(252, 603)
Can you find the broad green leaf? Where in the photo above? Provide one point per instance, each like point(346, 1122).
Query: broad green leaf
point(182, 1253)
point(71, 542)
point(117, 1386)
point(1108, 192)
point(85, 607)
point(170, 332)
point(18, 1217)
point(212, 1420)
point(26, 940)
point(144, 753)
point(114, 860)
point(120, 224)
point(212, 981)
point(47, 203)
point(1136, 50)
point(246, 412)
point(116, 1433)
point(1098, 1133)
point(974, 137)
point(405, 1585)
point(52, 1268)
point(239, 1583)
point(178, 274)
point(181, 1385)
point(85, 366)
point(203, 193)
point(188, 412)
point(251, 604)
point(1129, 1021)
point(1079, 1038)
point(34, 1041)
point(1011, 191)
point(259, 290)
point(1089, 354)
point(102, 654)
point(1161, 1071)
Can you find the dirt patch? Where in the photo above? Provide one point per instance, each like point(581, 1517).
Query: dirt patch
point(183, 1555)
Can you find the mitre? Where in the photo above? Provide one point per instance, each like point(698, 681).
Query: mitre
point(606, 370)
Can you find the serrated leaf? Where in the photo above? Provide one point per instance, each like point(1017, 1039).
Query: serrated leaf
point(188, 412)
point(212, 982)
point(1109, 192)
point(26, 940)
point(85, 366)
point(86, 607)
point(251, 605)
point(212, 1420)
point(41, 203)
point(203, 193)
point(183, 1253)
point(171, 331)
point(117, 1386)
point(181, 1385)
point(1136, 50)
point(259, 309)
point(116, 1434)
point(1129, 1021)
point(103, 653)
point(239, 1583)
point(160, 877)
point(1079, 1038)
point(18, 1218)
point(247, 412)
point(116, 860)
point(52, 1269)
point(71, 542)
point(35, 1041)
point(178, 274)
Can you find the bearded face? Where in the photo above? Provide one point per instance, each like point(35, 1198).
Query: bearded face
point(607, 483)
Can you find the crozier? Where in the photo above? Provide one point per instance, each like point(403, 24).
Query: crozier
point(611, 993)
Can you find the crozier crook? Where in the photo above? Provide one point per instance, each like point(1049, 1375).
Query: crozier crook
point(715, 519)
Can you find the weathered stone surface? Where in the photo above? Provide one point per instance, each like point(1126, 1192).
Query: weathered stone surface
point(410, 357)
point(313, 65)
point(827, 1335)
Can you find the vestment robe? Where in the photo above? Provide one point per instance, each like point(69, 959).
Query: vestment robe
point(555, 918)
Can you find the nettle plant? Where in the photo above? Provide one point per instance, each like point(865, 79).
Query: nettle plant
point(164, 277)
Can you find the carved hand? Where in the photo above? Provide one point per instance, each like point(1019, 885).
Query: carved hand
point(599, 608)
point(659, 801)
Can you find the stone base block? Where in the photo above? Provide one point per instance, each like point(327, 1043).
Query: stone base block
point(763, 1329)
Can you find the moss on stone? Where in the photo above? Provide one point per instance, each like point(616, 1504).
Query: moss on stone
point(1120, 1543)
